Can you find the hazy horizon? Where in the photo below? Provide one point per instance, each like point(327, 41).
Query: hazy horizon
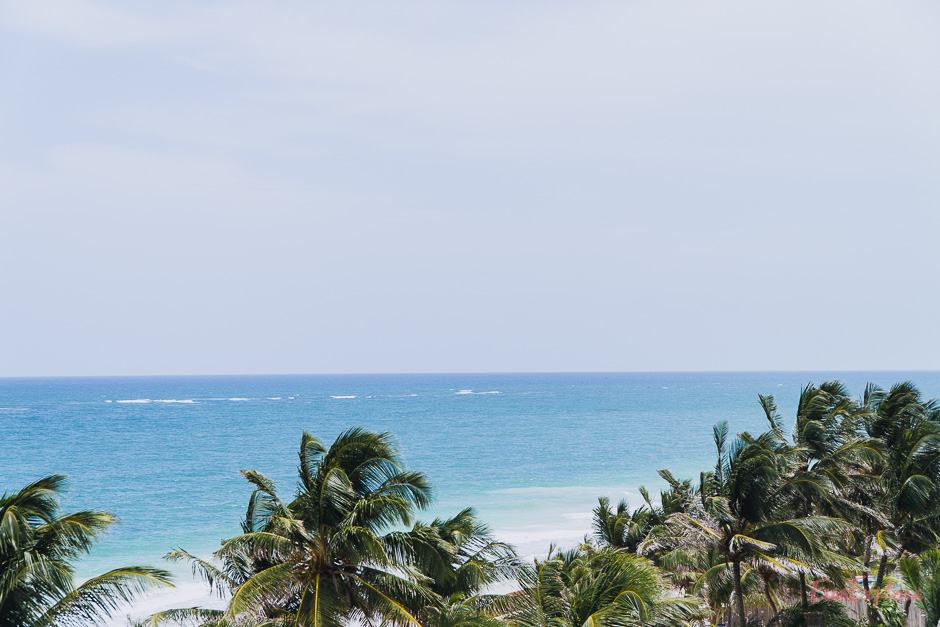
point(833, 373)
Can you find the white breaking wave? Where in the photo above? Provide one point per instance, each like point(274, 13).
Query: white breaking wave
point(464, 392)
point(239, 399)
point(343, 396)
point(472, 392)
point(155, 400)
point(274, 398)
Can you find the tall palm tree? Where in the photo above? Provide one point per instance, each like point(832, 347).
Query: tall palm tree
point(740, 516)
point(907, 488)
point(38, 550)
point(330, 555)
point(829, 458)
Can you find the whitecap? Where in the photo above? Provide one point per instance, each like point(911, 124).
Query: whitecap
point(464, 392)
point(274, 398)
point(136, 400)
point(239, 399)
point(342, 397)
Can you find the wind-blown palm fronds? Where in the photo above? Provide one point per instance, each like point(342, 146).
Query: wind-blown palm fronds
point(740, 519)
point(589, 587)
point(330, 555)
point(38, 551)
point(906, 492)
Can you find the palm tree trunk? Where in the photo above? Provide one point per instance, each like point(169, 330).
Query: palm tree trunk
point(738, 591)
point(869, 610)
point(882, 567)
point(770, 597)
point(807, 506)
point(879, 582)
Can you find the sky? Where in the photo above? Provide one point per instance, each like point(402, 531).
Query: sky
point(204, 187)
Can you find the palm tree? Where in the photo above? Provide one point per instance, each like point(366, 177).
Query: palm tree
point(329, 556)
point(922, 575)
point(463, 557)
point(625, 529)
point(38, 551)
point(589, 587)
point(621, 529)
point(459, 558)
point(829, 458)
point(906, 492)
point(740, 517)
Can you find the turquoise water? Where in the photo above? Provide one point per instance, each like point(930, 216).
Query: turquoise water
point(530, 451)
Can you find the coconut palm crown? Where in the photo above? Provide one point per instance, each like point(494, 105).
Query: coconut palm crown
point(39, 548)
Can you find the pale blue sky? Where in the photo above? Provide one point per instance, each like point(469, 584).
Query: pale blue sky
point(294, 187)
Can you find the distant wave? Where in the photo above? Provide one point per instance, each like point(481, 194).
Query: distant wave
point(155, 400)
point(472, 392)
point(237, 398)
point(464, 392)
point(343, 396)
point(274, 398)
point(14, 408)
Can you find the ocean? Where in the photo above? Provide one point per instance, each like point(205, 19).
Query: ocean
point(531, 452)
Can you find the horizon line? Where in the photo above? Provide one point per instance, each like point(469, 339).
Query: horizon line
point(464, 373)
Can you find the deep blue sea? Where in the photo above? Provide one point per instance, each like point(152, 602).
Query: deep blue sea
point(531, 452)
